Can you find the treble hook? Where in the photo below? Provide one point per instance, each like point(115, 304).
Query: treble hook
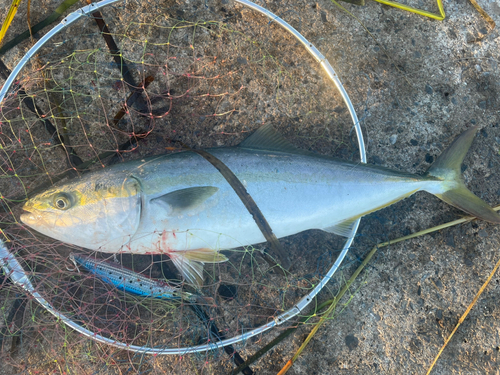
point(72, 258)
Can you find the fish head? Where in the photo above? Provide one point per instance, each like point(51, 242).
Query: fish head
point(96, 212)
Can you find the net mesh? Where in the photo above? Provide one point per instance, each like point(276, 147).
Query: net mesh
point(191, 74)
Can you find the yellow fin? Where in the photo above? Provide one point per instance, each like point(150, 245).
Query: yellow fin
point(190, 263)
point(460, 197)
point(267, 138)
point(447, 168)
point(205, 256)
point(344, 227)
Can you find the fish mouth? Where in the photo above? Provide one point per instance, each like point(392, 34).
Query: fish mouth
point(29, 218)
point(30, 213)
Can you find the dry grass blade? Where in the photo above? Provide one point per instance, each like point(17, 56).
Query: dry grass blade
point(485, 15)
point(462, 318)
point(58, 12)
point(28, 17)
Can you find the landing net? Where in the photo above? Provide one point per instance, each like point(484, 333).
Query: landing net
point(205, 75)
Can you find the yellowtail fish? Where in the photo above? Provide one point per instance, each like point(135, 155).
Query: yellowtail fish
point(130, 281)
point(180, 205)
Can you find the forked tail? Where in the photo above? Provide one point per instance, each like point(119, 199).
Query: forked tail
point(454, 192)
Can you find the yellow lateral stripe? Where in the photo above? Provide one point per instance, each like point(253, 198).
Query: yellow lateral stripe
point(8, 20)
point(425, 13)
point(97, 196)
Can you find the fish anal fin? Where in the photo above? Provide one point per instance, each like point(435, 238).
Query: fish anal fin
point(343, 228)
point(189, 198)
point(190, 263)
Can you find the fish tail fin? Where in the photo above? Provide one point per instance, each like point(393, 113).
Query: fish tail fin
point(190, 262)
point(453, 191)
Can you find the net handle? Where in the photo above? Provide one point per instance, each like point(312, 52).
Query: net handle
point(13, 268)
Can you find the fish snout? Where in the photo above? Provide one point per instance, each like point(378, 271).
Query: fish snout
point(30, 218)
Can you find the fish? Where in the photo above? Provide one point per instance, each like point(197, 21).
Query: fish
point(130, 281)
point(180, 205)
point(127, 280)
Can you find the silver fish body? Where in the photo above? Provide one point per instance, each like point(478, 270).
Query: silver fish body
point(180, 205)
point(294, 193)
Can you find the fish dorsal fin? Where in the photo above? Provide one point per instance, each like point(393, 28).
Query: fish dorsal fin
point(185, 199)
point(343, 228)
point(267, 138)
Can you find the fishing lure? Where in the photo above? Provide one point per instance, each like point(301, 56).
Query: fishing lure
point(130, 281)
point(13, 269)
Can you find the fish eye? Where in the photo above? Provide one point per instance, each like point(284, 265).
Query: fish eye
point(62, 201)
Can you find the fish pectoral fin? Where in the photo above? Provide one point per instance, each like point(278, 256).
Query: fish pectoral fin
point(343, 228)
point(189, 198)
point(190, 263)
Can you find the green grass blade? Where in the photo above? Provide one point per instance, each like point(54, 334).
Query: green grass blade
point(8, 20)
